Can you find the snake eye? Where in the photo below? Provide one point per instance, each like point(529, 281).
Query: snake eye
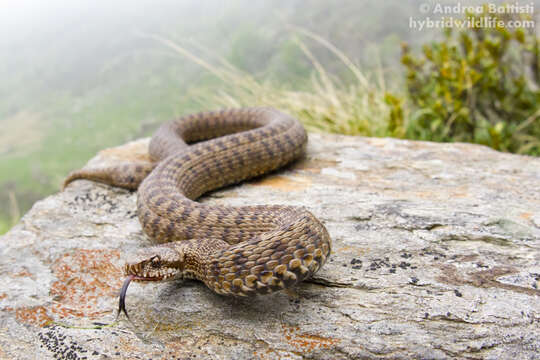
point(156, 261)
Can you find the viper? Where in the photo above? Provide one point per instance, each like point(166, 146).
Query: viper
point(238, 251)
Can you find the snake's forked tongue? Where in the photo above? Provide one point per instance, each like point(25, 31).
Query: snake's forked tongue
point(123, 291)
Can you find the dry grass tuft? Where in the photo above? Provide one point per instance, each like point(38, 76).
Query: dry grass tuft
point(358, 107)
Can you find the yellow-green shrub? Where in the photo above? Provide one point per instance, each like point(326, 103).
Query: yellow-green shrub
point(478, 85)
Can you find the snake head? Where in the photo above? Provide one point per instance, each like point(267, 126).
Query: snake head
point(156, 263)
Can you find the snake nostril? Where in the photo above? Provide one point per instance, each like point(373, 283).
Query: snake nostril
point(155, 261)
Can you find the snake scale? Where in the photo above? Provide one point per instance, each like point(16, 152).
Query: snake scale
point(239, 251)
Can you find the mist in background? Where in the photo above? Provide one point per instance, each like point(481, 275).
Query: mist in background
point(79, 76)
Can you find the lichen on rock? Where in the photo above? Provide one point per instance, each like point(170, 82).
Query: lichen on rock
point(436, 254)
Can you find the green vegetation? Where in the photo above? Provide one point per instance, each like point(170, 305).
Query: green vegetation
point(4, 226)
point(480, 85)
point(325, 103)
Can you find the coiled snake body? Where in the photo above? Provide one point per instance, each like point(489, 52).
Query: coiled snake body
point(237, 251)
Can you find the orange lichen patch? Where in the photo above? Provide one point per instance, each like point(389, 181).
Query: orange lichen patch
point(315, 165)
point(525, 215)
point(435, 194)
point(377, 142)
point(36, 315)
point(284, 183)
point(22, 273)
point(459, 194)
point(177, 348)
point(350, 250)
point(267, 354)
point(482, 279)
point(85, 278)
point(432, 194)
point(306, 342)
point(134, 151)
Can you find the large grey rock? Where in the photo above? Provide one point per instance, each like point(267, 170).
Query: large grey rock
point(436, 254)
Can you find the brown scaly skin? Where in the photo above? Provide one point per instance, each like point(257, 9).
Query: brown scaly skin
point(236, 251)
